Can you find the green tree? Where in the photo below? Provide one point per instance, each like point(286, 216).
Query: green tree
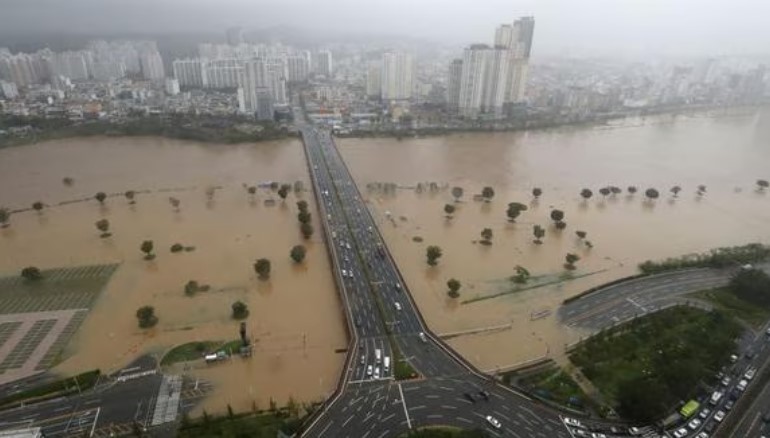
point(38, 206)
point(306, 230)
point(604, 191)
point(616, 190)
point(101, 197)
point(298, 253)
point(146, 316)
point(488, 193)
point(522, 275)
point(762, 184)
point(240, 310)
point(304, 217)
point(283, 191)
point(539, 233)
point(147, 247)
point(5, 216)
point(457, 192)
point(586, 194)
point(130, 195)
point(571, 260)
point(631, 190)
point(581, 234)
point(651, 194)
point(675, 191)
point(557, 215)
point(486, 236)
point(514, 210)
point(433, 253)
point(753, 286)
point(302, 205)
point(536, 192)
point(449, 209)
point(262, 268)
point(103, 225)
point(31, 273)
point(454, 287)
point(191, 288)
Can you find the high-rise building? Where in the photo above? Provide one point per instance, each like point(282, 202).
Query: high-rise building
point(265, 110)
point(322, 63)
point(297, 68)
point(9, 89)
point(25, 69)
point(374, 79)
point(152, 65)
point(397, 76)
point(191, 72)
point(484, 80)
point(73, 65)
point(224, 73)
point(172, 86)
point(234, 36)
point(254, 78)
point(453, 85)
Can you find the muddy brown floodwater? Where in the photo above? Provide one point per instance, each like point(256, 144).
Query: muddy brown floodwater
point(295, 317)
point(727, 152)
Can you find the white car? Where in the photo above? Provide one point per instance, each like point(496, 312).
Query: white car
point(750, 373)
point(694, 424)
point(598, 435)
point(397, 305)
point(719, 416)
point(377, 372)
point(725, 380)
point(681, 432)
point(742, 385)
point(344, 273)
point(572, 422)
point(702, 435)
point(369, 371)
point(704, 413)
point(493, 422)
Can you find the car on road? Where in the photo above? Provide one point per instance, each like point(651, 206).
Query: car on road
point(344, 273)
point(572, 422)
point(598, 435)
point(484, 395)
point(494, 422)
point(634, 431)
point(750, 373)
point(719, 416)
point(704, 413)
point(397, 305)
point(733, 358)
point(715, 397)
point(742, 385)
point(398, 287)
point(726, 380)
point(376, 372)
point(680, 433)
point(469, 397)
point(729, 405)
point(363, 359)
point(369, 371)
point(702, 435)
point(422, 337)
point(694, 424)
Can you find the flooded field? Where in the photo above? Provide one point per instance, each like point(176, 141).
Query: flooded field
point(295, 317)
point(725, 152)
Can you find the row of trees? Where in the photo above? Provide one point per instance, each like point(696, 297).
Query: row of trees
point(304, 217)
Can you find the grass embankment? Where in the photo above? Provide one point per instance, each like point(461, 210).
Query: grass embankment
point(259, 425)
point(196, 350)
point(443, 432)
point(533, 283)
point(555, 385)
point(647, 366)
point(716, 258)
point(59, 388)
point(726, 301)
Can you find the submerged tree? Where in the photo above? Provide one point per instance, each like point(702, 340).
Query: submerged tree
point(147, 247)
point(762, 184)
point(38, 206)
point(604, 191)
point(103, 225)
point(581, 234)
point(31, 273)
point(262, 268)
point(539, 233)
point(146, 316)
point(240, 310)
point(454, 287)
point(651, 194)
point(297, 253)
point(557, 215)
point(486, 236)
point(67, 181)
point(252, 190)
point(522, 275)
point(5, 216)
point(632, 190)
point(675, 191)
point(101, 197)
point(514, 210)
point(449, 209)
point(306, 230)
point(586, 194)
point(536, 192)
point(571, 259)
point(302, 205)
point(130, 195)
point(433, 253)
point(174, 203)
point(457, 192)
point(488, 193)
point(283, 191)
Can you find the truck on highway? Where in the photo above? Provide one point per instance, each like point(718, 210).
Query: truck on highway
point(378, 356)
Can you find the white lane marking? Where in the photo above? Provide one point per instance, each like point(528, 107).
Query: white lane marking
point(403, 403)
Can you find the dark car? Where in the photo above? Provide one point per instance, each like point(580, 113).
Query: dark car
point(470, 398)
point(484, 395)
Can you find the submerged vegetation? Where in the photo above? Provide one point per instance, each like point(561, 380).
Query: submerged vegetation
point(716, 258)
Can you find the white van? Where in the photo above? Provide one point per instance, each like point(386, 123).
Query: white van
point(378, 356)
point(386, 364)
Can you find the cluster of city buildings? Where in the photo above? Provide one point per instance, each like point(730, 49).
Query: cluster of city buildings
point(359, 87)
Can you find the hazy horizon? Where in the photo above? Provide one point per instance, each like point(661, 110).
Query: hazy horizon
point(604, 27)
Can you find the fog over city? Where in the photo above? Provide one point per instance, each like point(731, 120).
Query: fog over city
point(681, 27)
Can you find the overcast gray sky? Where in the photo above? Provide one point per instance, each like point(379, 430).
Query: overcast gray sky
point(605, 26)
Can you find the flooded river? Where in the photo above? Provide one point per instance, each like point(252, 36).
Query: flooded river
point(295, 317)
point(727, 153)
